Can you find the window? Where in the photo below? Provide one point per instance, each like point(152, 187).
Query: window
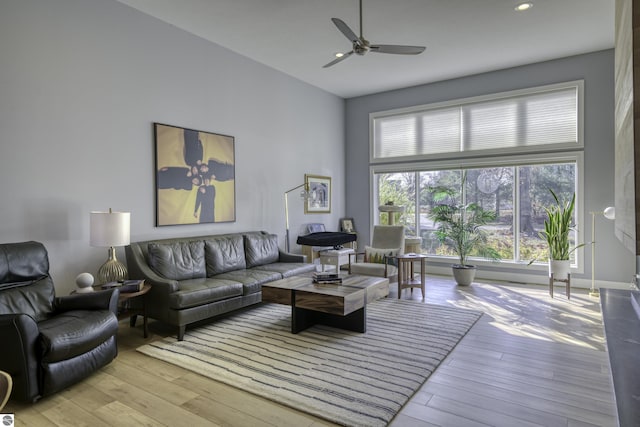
point(512, 148)
point(517, 195)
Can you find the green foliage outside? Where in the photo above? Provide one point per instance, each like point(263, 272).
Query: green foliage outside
point(534, 183)
point(459, 225)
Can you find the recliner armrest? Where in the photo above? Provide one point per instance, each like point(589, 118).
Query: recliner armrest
point(19, 337)
point(99, 300)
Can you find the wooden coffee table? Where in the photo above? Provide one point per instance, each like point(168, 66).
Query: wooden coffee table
point(341, 306)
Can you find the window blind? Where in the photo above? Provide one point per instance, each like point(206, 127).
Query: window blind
point(508, 123)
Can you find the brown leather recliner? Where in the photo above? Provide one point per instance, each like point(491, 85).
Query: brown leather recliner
point(49, 342)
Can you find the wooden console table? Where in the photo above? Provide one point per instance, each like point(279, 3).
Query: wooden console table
point(335, 257)
point(314, 255)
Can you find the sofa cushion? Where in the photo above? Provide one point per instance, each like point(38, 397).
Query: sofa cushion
point(75, 332)
point(202, 291)
point(261, 249)
point(287, 269)
point(178, 260)
point(224, 253)
point(373, 269)
point(251, 280)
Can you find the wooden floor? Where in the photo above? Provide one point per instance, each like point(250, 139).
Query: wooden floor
point(529, 361)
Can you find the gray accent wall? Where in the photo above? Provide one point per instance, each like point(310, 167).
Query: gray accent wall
point(81, 84)
point(613, 262)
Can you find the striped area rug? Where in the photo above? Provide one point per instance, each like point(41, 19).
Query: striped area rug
point(345, 377)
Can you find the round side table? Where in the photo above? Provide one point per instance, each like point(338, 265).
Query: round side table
point(126, 311)
point(406, 273)
point(132, 313)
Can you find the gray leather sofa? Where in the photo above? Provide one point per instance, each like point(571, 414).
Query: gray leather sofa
point(196, 278)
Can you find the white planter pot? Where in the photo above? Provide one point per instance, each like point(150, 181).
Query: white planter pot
point(464, 275)
point(560, 269)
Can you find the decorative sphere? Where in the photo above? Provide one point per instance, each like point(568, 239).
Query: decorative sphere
point(84, 281)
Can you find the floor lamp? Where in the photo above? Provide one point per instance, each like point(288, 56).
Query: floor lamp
point(305, 194)
point(609, 213)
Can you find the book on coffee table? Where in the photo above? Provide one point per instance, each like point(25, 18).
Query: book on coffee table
point(327, 278)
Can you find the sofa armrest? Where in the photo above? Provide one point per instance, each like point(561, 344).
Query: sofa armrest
point(139, 269)
point(19, 337)
point(289, 257)
point(99, 300)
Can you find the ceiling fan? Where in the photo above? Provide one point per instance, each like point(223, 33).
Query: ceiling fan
point(362, 46)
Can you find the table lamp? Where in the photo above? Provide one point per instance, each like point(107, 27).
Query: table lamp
point(108, 230)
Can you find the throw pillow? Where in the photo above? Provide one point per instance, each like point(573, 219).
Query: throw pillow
point(378, 255)
point(261, 249)
point(224, 253)
point(178, 260)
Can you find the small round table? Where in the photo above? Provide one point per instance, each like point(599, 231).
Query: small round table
point(125, 310)
point(406, 274)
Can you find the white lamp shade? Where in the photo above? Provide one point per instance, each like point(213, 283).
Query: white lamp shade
point(610, 212)
point(110, 229)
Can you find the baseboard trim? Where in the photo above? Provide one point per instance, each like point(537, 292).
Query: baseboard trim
point(526, 278)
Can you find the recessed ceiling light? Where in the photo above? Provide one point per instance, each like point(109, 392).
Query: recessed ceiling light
point(339, 54)
point(523, 6)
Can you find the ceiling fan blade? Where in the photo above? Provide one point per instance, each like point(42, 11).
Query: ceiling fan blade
point(344, 29)
point(335, 61)
point(397, 49)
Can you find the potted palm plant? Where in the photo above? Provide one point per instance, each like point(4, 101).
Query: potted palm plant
point(557, 228)
point(459, 228)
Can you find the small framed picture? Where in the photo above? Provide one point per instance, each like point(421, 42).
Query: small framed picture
point(346, 225)
point(319, 200)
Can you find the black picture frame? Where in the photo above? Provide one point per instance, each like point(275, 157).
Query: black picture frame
point(194, 176)
point(347, 225)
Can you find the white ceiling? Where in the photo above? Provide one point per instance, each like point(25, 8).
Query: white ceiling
point(462, 37)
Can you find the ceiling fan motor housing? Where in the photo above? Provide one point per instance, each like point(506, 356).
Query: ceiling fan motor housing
point(361, 47)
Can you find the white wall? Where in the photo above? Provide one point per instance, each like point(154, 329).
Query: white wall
point(613, 263)
point(82, 81)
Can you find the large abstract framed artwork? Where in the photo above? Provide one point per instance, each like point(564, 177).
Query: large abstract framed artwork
point(319, 200)
point(195, 176)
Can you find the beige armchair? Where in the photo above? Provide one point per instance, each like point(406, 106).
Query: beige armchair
point(377, 260)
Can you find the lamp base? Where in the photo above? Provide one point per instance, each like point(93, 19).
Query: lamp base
point(594, 293)
point(112, 270)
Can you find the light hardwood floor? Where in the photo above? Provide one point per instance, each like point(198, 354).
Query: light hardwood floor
point(529, 361)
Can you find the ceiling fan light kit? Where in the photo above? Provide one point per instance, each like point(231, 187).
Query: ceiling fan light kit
point(361, 46)
point(523, 6)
